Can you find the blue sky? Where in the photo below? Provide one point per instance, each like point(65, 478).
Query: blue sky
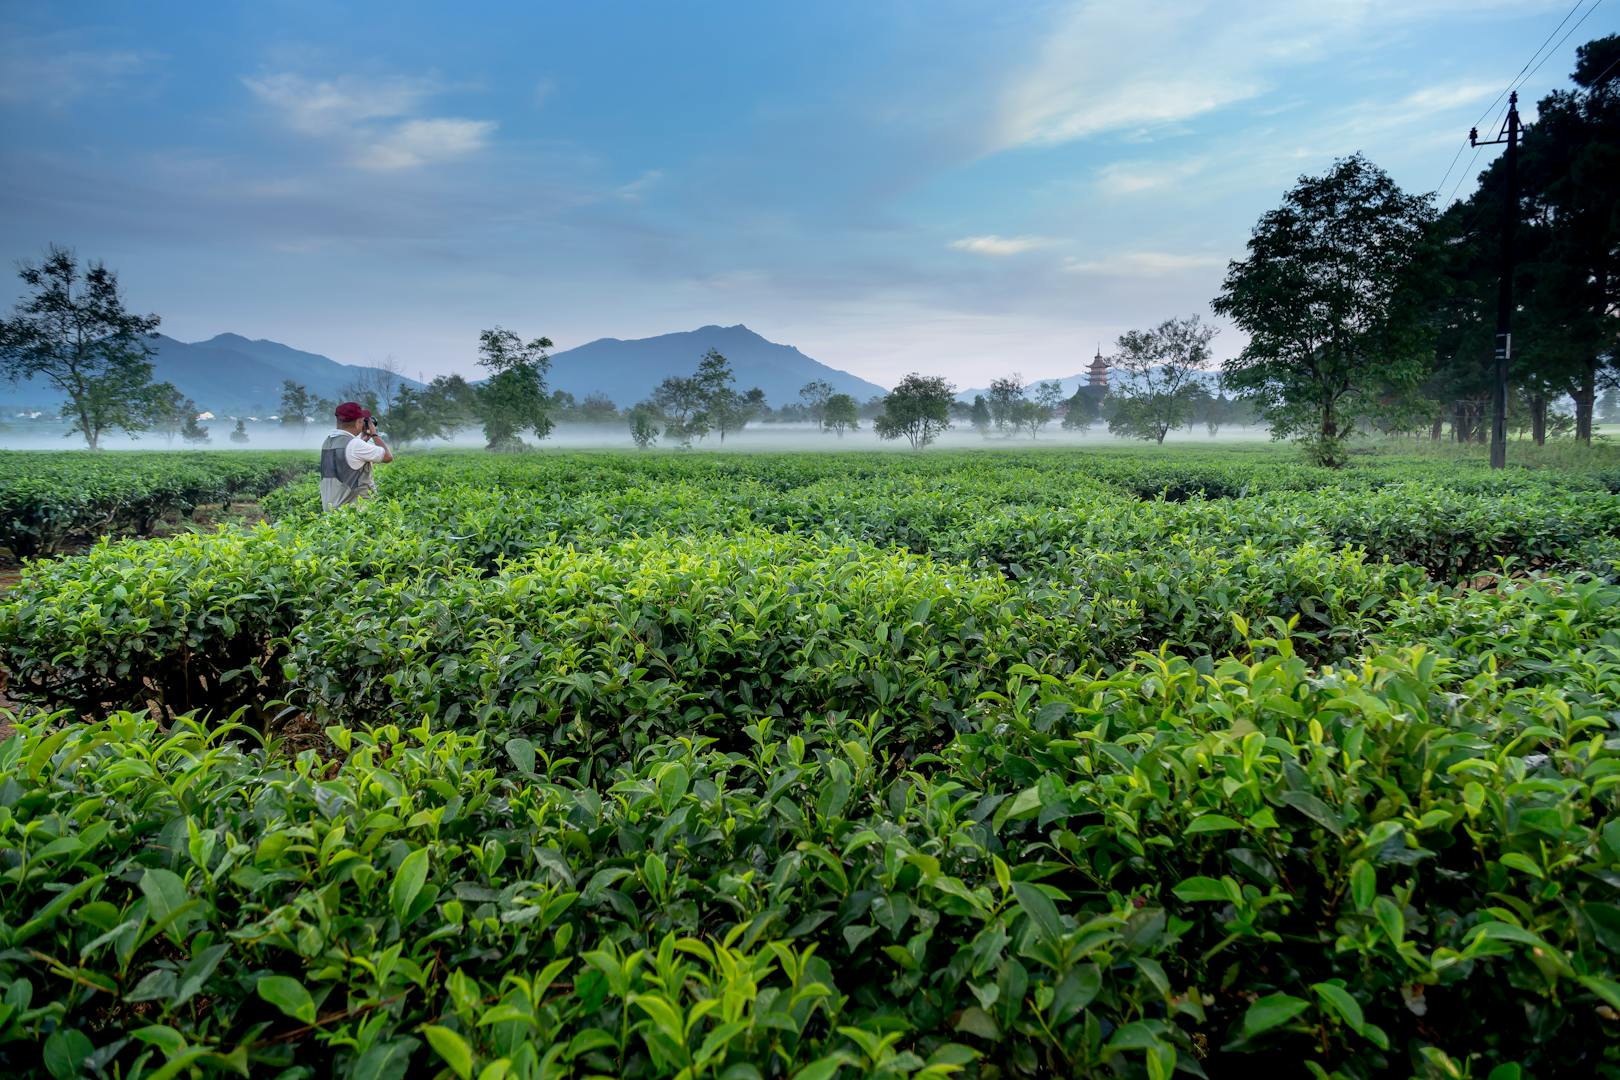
point(959, 188)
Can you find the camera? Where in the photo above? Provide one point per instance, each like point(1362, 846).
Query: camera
point(371, 425)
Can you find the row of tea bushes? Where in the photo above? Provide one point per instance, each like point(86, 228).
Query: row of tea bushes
point(48, 500)
point(502, 624)
point(1389, 867)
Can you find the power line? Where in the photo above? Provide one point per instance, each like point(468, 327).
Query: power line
point(1563, 39)
point(1511, 83)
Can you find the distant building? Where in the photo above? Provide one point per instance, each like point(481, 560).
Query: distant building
point(1097, 375)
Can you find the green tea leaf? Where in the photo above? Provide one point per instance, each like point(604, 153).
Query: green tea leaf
point(408, 880)
point(1205, 823)
point(65, 1051)
point(288, 995)
point(452, 1048)
point(1271, 1011)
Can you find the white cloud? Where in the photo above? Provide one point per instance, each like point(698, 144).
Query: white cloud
point(1132, 177)
point(635, 189)
point(47, 71)
point(1144, 264)
point(421, 142)
point(1000, 245)
point(374, 118)
point(1111, 67)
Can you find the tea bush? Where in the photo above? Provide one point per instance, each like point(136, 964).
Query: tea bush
point(993, 765)
point(48, 499)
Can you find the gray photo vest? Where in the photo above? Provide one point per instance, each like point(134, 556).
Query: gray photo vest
point(341, 484)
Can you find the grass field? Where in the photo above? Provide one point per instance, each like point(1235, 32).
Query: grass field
point(989, 764)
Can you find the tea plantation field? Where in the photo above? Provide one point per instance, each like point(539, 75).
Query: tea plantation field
point(857, 765)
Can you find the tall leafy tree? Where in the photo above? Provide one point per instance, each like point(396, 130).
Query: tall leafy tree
point(815, 394)
point(513, 399)
point(1159, 368)
point(681, 402)
point(1570, 209)
point(297, 404)
point(841, 415)
point(1082, 410)
point(979, 415)
point(644, 430)
point(172, 411)
point(918, 409)
point(73, 331)
point(1005, 395)
point(1336, 296)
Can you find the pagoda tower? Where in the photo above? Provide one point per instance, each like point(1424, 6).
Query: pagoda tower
point(1097, 375)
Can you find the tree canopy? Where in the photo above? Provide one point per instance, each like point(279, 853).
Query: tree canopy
point(513, 399)
point(1160, 368)
point(918, 409)
point(73, 331)
point(1335, 295)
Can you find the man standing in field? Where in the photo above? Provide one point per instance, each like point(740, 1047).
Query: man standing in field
point(347, 456)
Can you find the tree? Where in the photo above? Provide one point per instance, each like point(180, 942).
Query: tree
point(297, 404)
point(73, 332)
point(1005, 394)
point(841, 414)
point(375, 386)
point(193, 432)
point(1608, 407)
point(1081, 411)
point(918, 408)
point(723, 408)
point(1159, 368)
point(171, 410)
point(239, 433)
point(815, 394)
point(644, 425)
point(598, 409)
point(1032, 416)
point(453, 400)
point(1335, 297)
point(979, 415)
point(513, 400)
point(681, 402)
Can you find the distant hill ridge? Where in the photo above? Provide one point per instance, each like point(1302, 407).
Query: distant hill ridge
point(232, 374)
point(627, 371)
point(227, 374)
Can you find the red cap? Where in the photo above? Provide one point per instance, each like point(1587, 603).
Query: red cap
point(350, 410)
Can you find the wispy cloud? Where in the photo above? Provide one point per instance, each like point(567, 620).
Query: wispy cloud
point(1133, 177)
point(1109, 67)
point(999, 246)
point(51, 71)
point(372, 117)
point(635, 189)
point(421, 142)
point(1143, 263)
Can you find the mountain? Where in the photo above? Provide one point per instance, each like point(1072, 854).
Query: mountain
point(627, 371)
point(228, 374)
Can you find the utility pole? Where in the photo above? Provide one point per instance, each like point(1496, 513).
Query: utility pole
point(1504, 295)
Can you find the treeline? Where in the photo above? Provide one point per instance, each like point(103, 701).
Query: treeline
point(1368, 309)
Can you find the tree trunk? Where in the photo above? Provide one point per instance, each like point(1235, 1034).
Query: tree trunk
point(1585, 398)
point(1438, 427)
point(1538, 418)
point(1459, 422)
